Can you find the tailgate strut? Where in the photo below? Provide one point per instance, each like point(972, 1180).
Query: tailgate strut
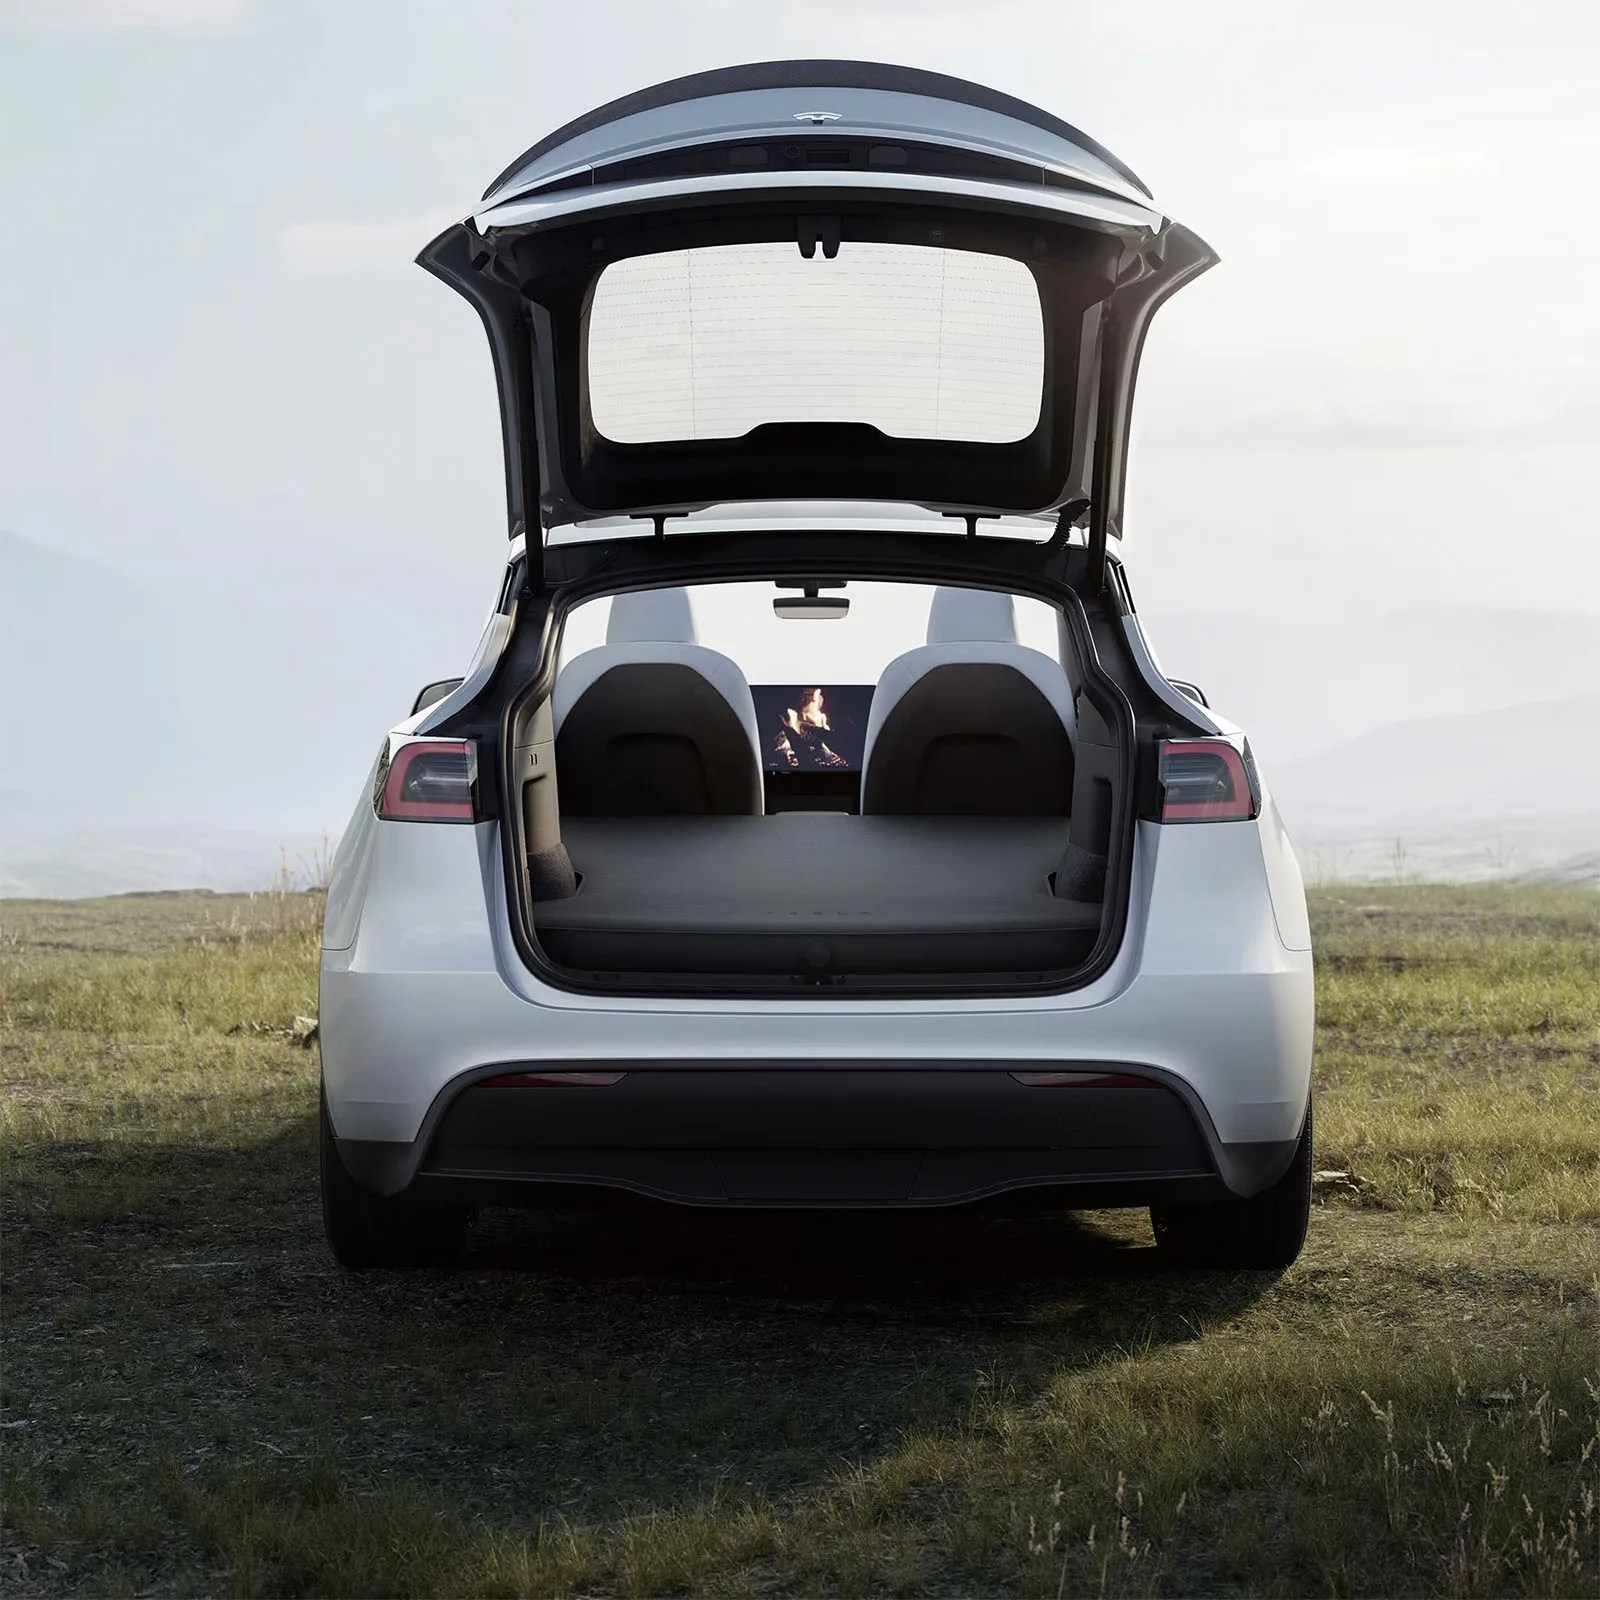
point(1101, 463)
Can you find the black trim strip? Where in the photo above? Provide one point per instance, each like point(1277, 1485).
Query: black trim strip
point(389, 1167)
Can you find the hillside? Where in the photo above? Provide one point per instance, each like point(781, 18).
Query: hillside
point(1523, 762)
point(1509, 793)
point(155, 726)
point(1301, 683)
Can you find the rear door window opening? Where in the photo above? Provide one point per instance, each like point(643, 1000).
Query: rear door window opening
point(885, 620)
point(813, 681)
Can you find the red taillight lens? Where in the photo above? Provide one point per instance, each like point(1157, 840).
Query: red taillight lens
point(430, 780)
point(1205, 780)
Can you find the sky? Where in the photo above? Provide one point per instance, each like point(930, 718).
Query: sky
point(222, 376)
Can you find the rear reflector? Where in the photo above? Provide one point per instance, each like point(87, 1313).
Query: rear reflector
point(430, 780)
point(1083, 1080)
point(553, 1080)
point(1205, 780)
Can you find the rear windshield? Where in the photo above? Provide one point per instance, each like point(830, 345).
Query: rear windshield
point(921, 343)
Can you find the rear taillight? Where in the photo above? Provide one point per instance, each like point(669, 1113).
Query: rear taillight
point(1206, 780)
point(430, 780)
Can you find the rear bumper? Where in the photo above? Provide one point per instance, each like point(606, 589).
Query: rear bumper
point(423, 998)
point(838, 1133)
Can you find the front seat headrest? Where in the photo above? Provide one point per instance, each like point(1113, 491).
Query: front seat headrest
point(652, 616)
point(958, 615)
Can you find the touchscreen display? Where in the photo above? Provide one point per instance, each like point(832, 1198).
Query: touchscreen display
point(811, 728)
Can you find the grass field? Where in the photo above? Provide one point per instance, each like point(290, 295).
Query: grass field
point(196, 1401)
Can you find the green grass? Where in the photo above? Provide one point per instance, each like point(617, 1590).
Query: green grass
point(195, 1398)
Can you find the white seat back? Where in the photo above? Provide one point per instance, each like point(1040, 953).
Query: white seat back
point(966, 627)
point(655, 627)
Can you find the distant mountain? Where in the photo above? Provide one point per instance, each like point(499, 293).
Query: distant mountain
point(1513, 792)
point(142, 701)
point(1519, 762)
point(68, 864)
point(1296, 682)
point(1553, 850)
point(94, 691)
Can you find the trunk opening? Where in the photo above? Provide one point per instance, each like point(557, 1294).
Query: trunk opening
point(828, 882)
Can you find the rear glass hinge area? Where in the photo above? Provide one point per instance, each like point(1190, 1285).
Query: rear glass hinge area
point(824, 231)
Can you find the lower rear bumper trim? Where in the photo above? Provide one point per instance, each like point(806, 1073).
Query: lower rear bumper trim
point(827, 1133)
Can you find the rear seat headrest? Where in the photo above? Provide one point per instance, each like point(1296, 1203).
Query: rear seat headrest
point(959, 615)
point(651, 616)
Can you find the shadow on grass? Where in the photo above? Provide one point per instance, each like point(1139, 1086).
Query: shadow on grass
point(580, 1367)
point(1003, 1260)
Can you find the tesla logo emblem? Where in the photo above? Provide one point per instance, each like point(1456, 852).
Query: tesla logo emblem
point(817, 116)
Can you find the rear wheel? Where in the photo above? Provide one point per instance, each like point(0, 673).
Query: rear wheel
point(1263, 1233)
point(370, 1230)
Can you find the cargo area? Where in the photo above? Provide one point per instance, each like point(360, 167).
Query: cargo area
point(816, 895)
point(915, 795)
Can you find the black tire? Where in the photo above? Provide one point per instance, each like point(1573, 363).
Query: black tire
point(370, 1230)
point(1261, 1234)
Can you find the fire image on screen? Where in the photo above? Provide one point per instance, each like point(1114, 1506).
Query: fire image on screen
point(807, 728)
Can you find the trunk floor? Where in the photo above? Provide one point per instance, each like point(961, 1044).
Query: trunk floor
point(813, 894)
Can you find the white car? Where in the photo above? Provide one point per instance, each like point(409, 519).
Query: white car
point(830, 364)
